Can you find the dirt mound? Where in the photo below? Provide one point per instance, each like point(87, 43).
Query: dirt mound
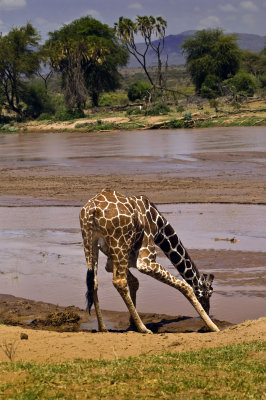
point(47, 346)
point(64, 320)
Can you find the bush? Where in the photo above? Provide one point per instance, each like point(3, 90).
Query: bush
point(37, 100)
point(138, 90)
point(134, 111)
point(180, 108)
point(243, 83)
point(45, 116)
point(66, 115)
point(113, 99)
point(158, 109)
point(176, 123)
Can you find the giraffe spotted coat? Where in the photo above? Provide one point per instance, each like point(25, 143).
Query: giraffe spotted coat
point(126, 230)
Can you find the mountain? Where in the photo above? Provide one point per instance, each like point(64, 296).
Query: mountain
point(173, 44)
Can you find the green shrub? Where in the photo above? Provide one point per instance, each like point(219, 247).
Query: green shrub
point(188, 116)
point(180, 109)
point(37, 100)
point(243, 83)
point(113, 99)
point(45, 116)
point(158, 109)
point(68, 115)
point(134, 111)
point(8, 128)
point(138, 90)
point(176, 123)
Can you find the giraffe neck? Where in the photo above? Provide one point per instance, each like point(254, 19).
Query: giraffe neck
point(173, 248)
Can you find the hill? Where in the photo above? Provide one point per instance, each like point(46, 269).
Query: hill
point(173, 45)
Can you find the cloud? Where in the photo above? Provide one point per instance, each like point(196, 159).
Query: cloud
point(135, 6)
point(249, 6)
point(8, 5)
point(93, 13)
point(209, 22)
point(227, 8)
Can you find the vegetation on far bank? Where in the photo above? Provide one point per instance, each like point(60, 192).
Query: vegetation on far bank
point(158, 116)
point(230, 372)
point(78, 73)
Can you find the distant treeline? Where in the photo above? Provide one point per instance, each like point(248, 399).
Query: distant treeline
point(83, 60)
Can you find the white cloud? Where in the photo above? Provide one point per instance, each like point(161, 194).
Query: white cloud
point(209, 22)
point(93, 13)
point(135, 6)
point(8, 5)
point(249, 6)
point(227, 8)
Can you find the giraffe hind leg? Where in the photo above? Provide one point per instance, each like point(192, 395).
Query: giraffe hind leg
point(133, 285)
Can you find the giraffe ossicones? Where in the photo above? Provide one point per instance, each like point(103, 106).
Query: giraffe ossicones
point(126, 230)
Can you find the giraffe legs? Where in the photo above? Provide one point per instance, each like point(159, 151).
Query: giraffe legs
point(120, 281)
point(133, 285)
point(161, 274)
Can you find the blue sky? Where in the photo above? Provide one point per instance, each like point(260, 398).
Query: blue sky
point(245, 16)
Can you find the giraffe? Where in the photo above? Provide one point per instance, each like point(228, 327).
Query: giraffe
point(126, 230)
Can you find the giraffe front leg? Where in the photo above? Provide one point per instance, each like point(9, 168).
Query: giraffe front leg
point(121, 284)
point(161, 274)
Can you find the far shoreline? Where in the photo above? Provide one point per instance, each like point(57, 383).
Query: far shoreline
point(248, 114)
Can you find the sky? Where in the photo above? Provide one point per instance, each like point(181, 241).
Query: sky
point(240, 16)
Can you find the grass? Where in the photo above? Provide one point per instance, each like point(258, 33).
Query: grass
point(231, 372)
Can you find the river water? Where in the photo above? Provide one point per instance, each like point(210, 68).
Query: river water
point(188, 152)
point(42, 259)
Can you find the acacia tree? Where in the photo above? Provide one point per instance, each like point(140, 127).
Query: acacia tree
point(211, 53)
point(19, 59)
point(148, 28)
point(88, 55)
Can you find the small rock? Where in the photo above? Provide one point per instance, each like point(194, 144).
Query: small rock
point(24, 336)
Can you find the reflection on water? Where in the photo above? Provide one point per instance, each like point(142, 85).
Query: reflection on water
point(42, 258)
point(146, 151)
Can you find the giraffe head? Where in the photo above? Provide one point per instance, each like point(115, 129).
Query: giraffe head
point(204, 291)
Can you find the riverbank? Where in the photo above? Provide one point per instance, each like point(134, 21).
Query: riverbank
point(251, 113)
point(47, 345)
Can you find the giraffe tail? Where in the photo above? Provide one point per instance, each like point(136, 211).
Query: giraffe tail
point(90, 289)
point(86, 222)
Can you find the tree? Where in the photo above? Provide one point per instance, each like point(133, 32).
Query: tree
point(147, 27)
point(210, 52)
point(19, 59)
point(88, 55)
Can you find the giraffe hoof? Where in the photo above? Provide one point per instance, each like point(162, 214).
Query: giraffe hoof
point(146, 331)
point(103, 329)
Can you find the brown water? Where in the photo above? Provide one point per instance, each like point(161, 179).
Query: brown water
point(186, 152)
point(42, 258)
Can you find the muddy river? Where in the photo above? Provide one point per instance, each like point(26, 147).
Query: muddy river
point(41, 255)
point(188, 152)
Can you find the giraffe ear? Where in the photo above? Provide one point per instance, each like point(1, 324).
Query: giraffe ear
point(210, 278)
